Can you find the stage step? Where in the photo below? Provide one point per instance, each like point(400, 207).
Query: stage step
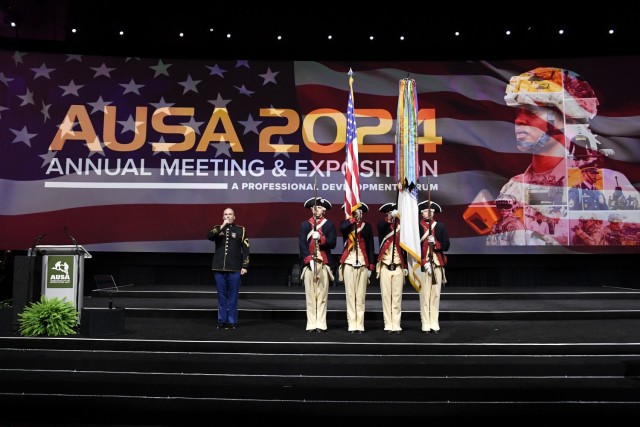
point(167, 379)
point(456, 303)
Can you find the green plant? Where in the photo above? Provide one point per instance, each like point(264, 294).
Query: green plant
point(49, 316)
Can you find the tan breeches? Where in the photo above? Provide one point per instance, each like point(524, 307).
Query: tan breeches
point(316, 289)
point(391, 285)
point(430, 299)
point(355, 290)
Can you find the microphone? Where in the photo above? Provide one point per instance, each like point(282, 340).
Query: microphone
point(75, 242)
point(32, 249)
point(40, 237)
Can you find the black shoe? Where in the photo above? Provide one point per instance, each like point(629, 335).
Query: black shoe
point(352, 332)
point(398, 332)
point(309, 331)
point(434, 332)
point(389, 332)
point(359, 332)
point(221, 326)
point(233, 326)
point(320, 330)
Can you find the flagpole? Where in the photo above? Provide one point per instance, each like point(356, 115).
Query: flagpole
point(352, 172)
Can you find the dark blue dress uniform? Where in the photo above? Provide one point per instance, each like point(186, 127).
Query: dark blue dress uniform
point(582, 197)
point(231, 255)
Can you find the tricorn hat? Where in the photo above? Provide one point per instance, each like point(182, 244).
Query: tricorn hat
point(388, 207)
point(320, 201)
point(363, 207)
point(425, 205)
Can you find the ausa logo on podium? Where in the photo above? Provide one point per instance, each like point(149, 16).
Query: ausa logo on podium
point(60, 271)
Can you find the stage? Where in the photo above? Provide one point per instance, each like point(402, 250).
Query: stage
point(503, 354)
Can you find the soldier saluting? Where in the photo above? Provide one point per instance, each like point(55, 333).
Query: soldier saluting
point(356, 264)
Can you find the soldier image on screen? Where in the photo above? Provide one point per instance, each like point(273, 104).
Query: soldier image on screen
point(554, 109)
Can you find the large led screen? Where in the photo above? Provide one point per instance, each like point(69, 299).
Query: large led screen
point(144, 154)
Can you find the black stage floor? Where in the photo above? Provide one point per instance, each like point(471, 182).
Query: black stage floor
point(503, 355)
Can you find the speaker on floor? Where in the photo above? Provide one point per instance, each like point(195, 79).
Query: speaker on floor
point(294, 277)
point(26, 283)
point(102, 322)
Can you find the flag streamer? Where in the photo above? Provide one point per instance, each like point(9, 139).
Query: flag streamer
point(407, 177)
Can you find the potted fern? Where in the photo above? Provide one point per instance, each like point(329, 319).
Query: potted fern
point(50, 317)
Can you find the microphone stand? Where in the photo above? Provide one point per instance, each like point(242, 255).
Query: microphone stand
point(75, 242)
point(32, 250)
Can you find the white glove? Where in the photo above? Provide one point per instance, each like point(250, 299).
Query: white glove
point(394, 213)
point(312, 265)
point(315, 235)
point(431, 239)
point(405, 271)
point(368, 274)
point(427, 269)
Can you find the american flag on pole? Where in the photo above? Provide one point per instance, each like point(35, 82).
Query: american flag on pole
point(407, 177)
point(351, 171)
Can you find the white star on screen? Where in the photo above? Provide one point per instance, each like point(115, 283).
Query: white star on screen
point(4, 79)
point(130, 125)
point(216, 71)
point(250, 125)
point(219, 102)
point(42, 71)
point(131, 87)
point(269, 76)
point(162, 103)
point(99, 105)
point(160, 68)
point(189, 85)
point(70, 89)
point(102, 70)
point(22, 135)
point(45, 111)
point(27, 98)
point(244, 91)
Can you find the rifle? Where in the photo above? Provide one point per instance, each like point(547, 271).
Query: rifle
point(392, 266)
point(316, 246)
point(355, 233)
point(430, 216)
